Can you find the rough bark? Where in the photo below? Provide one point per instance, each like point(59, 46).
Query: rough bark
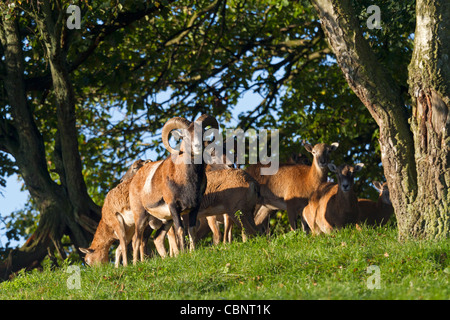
point(64, 208)
point(429, 87)
point(27, 147)
point(418, 191)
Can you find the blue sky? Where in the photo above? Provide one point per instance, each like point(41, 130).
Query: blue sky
point(12, 200)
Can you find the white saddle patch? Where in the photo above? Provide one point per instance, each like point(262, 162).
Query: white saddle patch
point(148, 182)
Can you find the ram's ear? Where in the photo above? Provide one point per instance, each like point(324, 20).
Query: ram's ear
point(332, 167)
point(308, 147)
point(378, 185)
point(359, 166)
point(86, 250)
point(177, 135)
point(334, 146)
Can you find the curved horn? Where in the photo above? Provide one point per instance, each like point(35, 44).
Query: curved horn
point(174, 123)
point(207, 120)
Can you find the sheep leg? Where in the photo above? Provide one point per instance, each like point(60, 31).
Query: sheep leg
point(294, 208)
point(262, 218)
point(228, 227)
point(212, 223)
point(192, 221)
point(172, 243)
point(310, 217)
point(261, 214)
point(203, 227)
point(118, 255)
point(121, 250)
point(177, 225)
point(305, 225)
point(136, 244)
point(323, 224)
point(159, 239)
point(140, 224)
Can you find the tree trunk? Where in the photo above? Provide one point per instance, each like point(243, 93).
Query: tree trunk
point(84, 209)
point(429, 87)
point(27, 147)
point(418, 191)
point(61, 213)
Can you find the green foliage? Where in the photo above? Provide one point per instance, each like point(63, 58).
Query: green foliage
point(289, 266)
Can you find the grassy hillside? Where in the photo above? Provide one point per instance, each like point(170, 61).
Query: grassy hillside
point(287, 266)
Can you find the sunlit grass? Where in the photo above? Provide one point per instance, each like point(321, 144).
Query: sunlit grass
point(286, 266)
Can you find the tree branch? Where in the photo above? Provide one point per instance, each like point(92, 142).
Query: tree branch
point(29, 153)
point(98, 34)
point(190, 23)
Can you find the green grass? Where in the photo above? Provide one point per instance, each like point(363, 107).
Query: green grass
point(287, 266)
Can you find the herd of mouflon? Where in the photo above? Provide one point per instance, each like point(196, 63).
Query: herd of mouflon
point(178, 194)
